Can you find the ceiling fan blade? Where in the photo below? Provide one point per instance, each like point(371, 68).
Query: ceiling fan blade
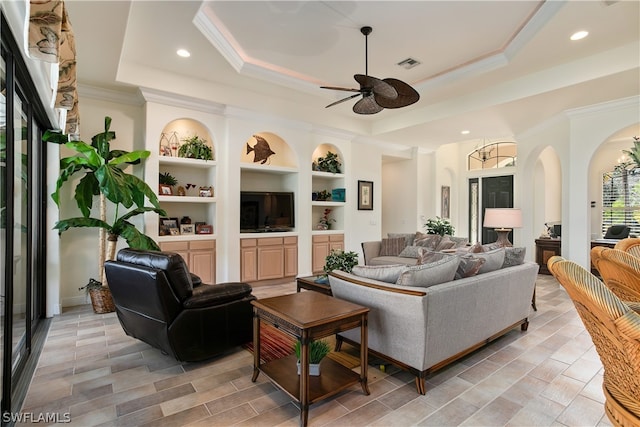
point(406, 95)
point(342, 100)
point(341, 88)
point(377, 86)
point(367, 105)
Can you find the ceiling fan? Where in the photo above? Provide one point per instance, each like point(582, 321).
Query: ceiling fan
point(377, 94)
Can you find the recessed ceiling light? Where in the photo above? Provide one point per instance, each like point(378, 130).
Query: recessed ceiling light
point(465, 132)
point(579, 35)
point(183, 53)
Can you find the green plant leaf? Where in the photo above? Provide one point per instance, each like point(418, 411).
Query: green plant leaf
point(86, 189)
point(55, 136)
point(129, 157)
point(65, 224)
point(113, 185)
point(93, 158)
point(137, 240)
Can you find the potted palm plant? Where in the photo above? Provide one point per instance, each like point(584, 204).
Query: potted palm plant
point(103, 175)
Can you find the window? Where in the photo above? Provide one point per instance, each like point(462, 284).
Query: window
point(621, 198)
point(493, 156)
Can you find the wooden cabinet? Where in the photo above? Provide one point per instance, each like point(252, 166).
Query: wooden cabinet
point(268, 258)
point(200, 256)
point(322, 245)
point(545, 249)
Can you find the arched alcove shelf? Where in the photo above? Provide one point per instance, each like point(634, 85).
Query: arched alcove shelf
point(194, 194)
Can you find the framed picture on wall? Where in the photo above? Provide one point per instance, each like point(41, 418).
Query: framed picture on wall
point(445, 202)
point(365, 195)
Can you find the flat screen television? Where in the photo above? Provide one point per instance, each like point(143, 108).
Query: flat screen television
point(262, 211)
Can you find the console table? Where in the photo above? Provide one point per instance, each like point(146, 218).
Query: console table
point(545, 249)
point(309, 316)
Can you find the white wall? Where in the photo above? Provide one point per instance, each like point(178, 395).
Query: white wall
point(78, 247)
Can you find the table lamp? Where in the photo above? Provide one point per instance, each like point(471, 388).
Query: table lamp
point(503, 220)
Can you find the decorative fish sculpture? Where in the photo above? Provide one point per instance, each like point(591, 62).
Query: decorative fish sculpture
point(261, 151)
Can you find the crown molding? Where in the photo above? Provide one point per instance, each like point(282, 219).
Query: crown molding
point(177, 100)
point(111, 95)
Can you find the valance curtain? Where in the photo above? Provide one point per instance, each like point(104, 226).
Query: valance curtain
point(50, 38)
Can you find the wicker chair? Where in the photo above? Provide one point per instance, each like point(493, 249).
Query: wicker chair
point(615, 330)
point(630, 245)
point(619, 271)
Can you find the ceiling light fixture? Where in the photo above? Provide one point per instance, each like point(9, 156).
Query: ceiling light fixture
point(579, 35)
point(183, 53)
point(465, 132)
point(376, 94)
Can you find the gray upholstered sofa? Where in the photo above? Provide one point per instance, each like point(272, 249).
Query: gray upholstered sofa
point(421, 329)
point(386, 251)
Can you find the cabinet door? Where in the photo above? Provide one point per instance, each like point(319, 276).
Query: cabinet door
point(270, 262)
point(336, 242)
point(249, 264)
point(291, 260)
point(320, 250)
point(202, 263)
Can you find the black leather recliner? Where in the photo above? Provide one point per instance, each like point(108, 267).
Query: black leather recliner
point(158, 302)
point(619, 232)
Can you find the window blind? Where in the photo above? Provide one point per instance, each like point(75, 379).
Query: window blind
point(621, 199)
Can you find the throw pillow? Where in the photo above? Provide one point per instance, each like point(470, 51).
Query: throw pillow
point(460, 242)
point(513, 256)
point(469, 266)
point(383, 273)
point(475, 248)
point(392, 246)
point(410, 252)
point(445, 243)
point(426, 275)
point(493, 260)
point(429, 241)
point(408, 237)
point(425, 256)
point(490, 246)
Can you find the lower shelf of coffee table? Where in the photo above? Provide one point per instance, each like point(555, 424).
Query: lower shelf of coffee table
point(333, 378)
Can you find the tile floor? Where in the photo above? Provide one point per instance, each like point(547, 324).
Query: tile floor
point(548, 376)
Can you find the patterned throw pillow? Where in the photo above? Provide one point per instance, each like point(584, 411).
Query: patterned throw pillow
point(445, 243)
point(425, 256)
point(429, 241)
point(469, 266)
point(513, 256)
point(434, 273)
point(460, 242)
point(408, 237)
point(410, 252)
point(475, 248)
point(392, 246)
point(383, 273)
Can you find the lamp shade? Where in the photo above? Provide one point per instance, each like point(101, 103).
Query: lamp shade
point(502, 218)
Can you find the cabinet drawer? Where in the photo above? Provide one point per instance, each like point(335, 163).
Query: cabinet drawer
point(202, 244)
point(290, 240)
point(248, 243)
point(174, 246)
point(336, 237)
point(320, 239)
point(269, 241)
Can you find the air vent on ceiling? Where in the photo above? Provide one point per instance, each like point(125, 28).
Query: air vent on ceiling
point(409, 63)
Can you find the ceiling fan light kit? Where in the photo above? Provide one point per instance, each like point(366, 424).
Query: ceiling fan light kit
point(377, 94)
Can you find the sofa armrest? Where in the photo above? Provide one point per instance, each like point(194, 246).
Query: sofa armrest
point(371, 250)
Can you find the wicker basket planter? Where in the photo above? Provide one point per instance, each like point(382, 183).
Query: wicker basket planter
point(101, 298)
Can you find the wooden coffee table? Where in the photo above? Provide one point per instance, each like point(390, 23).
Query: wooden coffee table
point(310, 284)
point(309, 316)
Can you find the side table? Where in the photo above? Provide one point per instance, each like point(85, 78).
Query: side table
point(310, 284)
point(309, 316)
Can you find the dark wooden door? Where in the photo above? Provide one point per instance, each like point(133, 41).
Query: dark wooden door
point(497, 192)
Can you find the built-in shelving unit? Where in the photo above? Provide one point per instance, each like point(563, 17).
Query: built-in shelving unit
point(327, 181)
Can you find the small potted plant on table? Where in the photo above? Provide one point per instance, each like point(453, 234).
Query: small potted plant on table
point(317, 351)
point(338, 260)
